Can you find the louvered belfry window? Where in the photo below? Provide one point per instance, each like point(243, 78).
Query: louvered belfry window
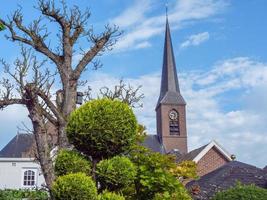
point(174, 127)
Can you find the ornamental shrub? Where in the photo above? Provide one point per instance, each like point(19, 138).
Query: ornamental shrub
point(70, 161)
point(9, 194)
point(110, 196)
point(179, 195)
point(242, 192)
point(115, 173)
point(102, 128)
point(154, 176)
point(74, 187)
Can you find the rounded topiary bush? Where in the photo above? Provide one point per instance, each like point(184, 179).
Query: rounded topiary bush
point(70, 161)
point(115, 173)
point(110, 196)
point(242, 192)
point(74, 187)
point(102, 128)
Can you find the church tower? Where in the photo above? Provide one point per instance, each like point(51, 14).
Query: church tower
point(170, 109)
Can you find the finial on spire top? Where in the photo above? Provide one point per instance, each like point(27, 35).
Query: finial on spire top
point(166, 5)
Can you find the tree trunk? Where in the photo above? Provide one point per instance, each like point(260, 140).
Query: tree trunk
point(69, 105)
point(41, 138)
point(43, 150)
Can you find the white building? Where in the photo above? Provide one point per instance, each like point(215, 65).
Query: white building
point(20, 173)
point(17, 169)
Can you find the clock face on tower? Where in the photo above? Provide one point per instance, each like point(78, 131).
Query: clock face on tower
point(173, 115)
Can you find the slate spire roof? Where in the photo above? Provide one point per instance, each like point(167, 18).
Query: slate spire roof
point(170, 91)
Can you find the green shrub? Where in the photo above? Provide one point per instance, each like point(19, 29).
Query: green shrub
point(74, 187)
point(154, 176)
point(115, 173)
point(110, 196)
point(102, 128)
point(20, 194)
point(70, 161)
point(242, 192)
point(179, 195)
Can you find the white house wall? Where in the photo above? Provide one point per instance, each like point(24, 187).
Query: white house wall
point(11, 173)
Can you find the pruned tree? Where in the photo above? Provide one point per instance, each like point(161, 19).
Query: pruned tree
point(33, 90)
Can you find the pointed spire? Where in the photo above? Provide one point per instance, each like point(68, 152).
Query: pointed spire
point(170, 91)
point(166, 5)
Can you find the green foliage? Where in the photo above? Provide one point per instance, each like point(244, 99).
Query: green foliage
point(20, 194)
point(185, 170)
point(115, 173)
point(74, 187)
point(153, 175)
point(2, 27)
point(102, 128)
point(182, 195)
point(70, 161)
point(110, 196)
point(242, 192)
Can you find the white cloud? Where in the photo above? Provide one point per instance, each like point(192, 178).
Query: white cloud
point(142, 29)
point(133, 14)
point(195, 40)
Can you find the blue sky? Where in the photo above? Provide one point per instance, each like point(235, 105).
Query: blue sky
point(220, 48)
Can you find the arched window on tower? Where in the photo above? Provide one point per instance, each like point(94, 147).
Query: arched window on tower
point(174, 122)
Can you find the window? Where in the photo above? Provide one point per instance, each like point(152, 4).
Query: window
point(174, 122)
point(174, 127)
point(29, 178)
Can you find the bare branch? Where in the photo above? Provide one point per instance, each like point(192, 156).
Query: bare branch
point(122, 92)
point(101, 43)
point(7, 102)
point(32, 35)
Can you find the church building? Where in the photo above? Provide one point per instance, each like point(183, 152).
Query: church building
point(171, 135)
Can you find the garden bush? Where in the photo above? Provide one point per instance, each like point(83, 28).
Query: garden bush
point(115, 173)
point(179, 195)
point(242, 192)
point(102, 128)
point(70, 161)
point(21, 194)
point(74, 187)
point(154, 176)
point(110, 196)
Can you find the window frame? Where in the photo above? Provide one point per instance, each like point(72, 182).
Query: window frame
point(173, 122)
point(35, 171)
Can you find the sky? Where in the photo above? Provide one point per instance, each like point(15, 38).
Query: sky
point(220, 49)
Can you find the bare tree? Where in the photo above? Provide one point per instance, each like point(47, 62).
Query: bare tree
point(123, 92)
point(35, 94)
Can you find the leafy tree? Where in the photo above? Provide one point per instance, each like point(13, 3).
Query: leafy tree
point(153, 174)
point(102, 128)
point(181, 195)
point(185, 170)
point(115, 173)
point(74, 187)
point(110, 196)
point(242, 192)
point(71, 161)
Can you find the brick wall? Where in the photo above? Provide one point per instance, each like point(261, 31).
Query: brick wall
point(212, 160)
